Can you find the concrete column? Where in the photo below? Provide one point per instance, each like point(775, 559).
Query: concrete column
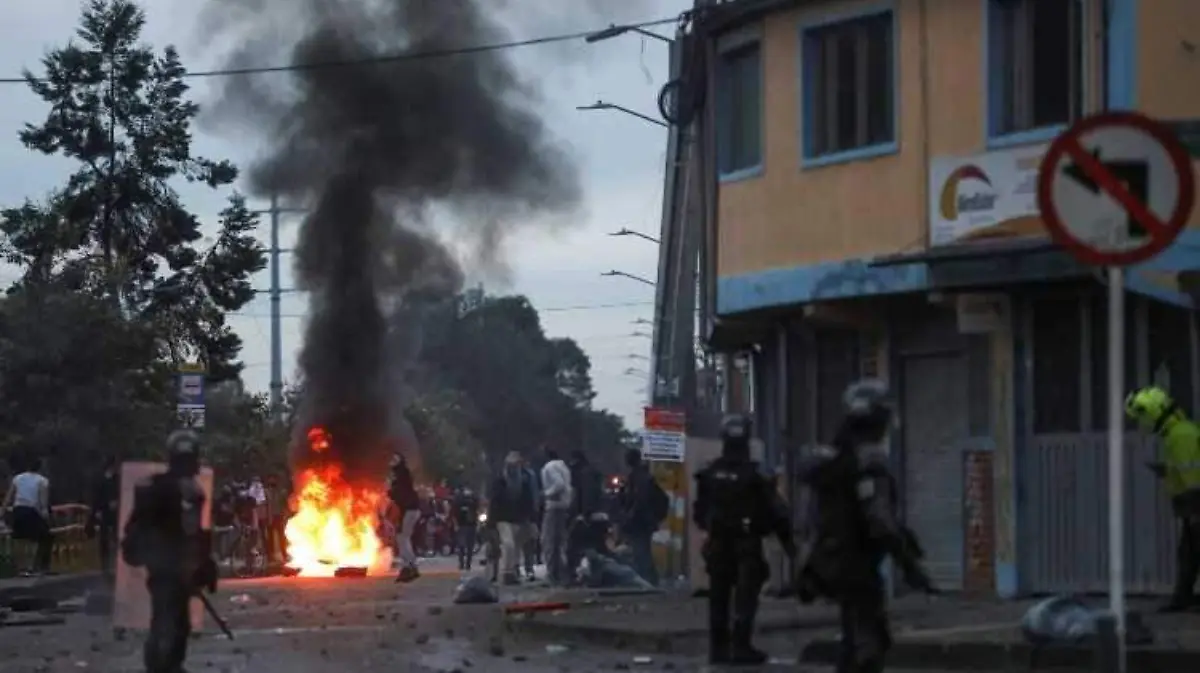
point(1004, 463)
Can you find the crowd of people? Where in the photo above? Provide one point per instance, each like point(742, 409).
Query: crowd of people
point(552, 514)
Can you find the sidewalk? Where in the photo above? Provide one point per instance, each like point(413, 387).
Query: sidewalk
point(964, 637)
point(947, 632)
point(48, 588)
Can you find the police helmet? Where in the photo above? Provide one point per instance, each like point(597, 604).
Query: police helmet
point(867, 398)
point(868, 408)
point(183, 450)
point(1149, 406)
point(737, 428)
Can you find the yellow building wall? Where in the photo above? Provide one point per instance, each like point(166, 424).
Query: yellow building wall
point(790, 215)
point(1168, 75)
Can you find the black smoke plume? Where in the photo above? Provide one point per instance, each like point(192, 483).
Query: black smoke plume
point(372, 151)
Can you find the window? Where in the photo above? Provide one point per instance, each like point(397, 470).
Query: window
point(1034, 66)
point(1057, 364)
point(739, 109)
point(849, 97)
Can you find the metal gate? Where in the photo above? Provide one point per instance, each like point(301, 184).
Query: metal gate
point(1063, 517)
point(934, 399)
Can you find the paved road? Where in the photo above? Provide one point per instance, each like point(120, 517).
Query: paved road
point(332, 626)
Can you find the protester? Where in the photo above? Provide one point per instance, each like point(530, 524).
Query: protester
point(530, 543)
point(104, 515)
point(643, 510)
point(466, 519)
point(558, 495)
point(512, 508)
point(28, 503)
point(277, 513)
point(588, 529)
point(404, 494)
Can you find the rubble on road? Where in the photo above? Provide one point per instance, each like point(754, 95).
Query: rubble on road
point(475, 590)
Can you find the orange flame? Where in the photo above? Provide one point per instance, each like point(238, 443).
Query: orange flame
point(335, 523)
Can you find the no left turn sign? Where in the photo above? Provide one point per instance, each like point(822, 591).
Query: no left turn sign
point(1115, 189)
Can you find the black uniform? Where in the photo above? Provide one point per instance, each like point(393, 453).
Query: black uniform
point(848, 497)
point(736, 505)
point(164, 535)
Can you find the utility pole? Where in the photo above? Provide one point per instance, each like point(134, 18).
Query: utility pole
point(276, 294)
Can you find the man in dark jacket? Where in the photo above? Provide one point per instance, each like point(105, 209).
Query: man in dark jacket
point(404, 494)
point(587, 531)
point(104, 514)
point(637, 515)
point(512, 511)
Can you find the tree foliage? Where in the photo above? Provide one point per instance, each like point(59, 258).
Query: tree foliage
point(119, 284)
point(520, 389)
point(117, 108)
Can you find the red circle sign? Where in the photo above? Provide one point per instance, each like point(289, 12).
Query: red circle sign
point(1161, 233)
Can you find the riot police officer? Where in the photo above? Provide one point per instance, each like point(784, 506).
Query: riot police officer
point(164, 535)
point(848, 504)
point(737, 507)
point(1156, 412)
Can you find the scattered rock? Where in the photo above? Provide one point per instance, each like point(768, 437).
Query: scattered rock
point(496, 647)
point(434, 610)
point(422, 638)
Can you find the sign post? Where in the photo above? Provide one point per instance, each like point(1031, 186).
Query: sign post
point(1116, 189)
point(664, 447)
point(190, 405)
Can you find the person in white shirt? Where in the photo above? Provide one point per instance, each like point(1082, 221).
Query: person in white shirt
point(28, 501)
point(558, 495)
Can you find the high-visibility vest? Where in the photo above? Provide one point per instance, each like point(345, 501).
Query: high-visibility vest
point(1181, 449)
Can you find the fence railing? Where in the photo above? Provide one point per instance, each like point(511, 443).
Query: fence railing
point(72, 551)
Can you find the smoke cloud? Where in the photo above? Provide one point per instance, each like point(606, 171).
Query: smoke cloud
point(371, 152)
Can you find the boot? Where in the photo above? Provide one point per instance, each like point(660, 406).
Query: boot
point(718, 646)
point(742, 651)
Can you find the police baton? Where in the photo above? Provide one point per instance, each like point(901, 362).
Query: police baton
point(212, 612)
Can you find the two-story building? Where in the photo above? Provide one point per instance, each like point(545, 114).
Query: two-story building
point(870, 210)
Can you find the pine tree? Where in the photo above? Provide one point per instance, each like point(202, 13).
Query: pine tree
point(118, 227)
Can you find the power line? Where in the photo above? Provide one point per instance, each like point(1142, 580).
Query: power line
point(393, 58)
point(549, 309)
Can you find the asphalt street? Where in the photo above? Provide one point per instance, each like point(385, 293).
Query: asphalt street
point(297, 625)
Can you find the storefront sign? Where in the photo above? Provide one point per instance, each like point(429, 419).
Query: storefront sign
point(987, 196)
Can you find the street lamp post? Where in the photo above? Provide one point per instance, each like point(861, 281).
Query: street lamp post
point(602, 105)
point(631, 276)
point(616, 31)
point(625, 231)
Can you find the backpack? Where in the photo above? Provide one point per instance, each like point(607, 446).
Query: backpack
point(659, 501)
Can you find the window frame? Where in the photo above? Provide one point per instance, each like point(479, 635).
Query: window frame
point(726, 45)
point(994, 78)
point(807, 36)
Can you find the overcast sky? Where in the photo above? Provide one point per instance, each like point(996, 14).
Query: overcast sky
point(620, 157)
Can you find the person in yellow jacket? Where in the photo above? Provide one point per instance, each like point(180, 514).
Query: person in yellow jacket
point(1156, 412)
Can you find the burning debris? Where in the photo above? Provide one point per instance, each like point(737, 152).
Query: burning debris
point(372, 147)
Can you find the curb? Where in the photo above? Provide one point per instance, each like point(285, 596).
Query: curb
point(657, 641)
point(992, 656)
point(54, 588)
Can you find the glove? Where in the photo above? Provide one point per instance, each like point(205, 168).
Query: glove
point(917, 578)
point(206, 575)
